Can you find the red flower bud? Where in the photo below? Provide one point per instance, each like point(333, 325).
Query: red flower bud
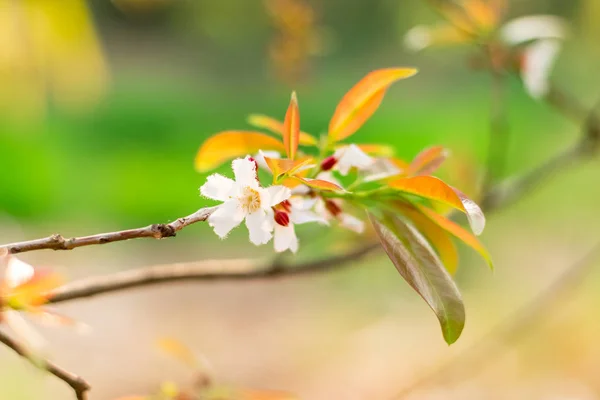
point(333, 208)
point(282, 218)
point(328, 163)
point(286, 205)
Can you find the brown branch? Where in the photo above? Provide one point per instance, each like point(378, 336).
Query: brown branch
point(205, 271)
point(155, 231)
point(78, 384)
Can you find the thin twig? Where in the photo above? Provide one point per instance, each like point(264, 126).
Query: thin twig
point(78, 384)
point(510, 329)
point(512, 189)
point(206, 271)
point(155, 231)
point(498, 138)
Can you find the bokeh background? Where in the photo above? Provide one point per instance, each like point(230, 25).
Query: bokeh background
point(103, 105)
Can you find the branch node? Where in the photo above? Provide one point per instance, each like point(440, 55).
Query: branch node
point(161, 231)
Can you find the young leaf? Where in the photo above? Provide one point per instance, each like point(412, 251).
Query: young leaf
point(271, 124)
point(420, 267)
point(359, 104)
point(427, 161)
point(291, 128)
point(435, 189)
point(227, 145)
point(437, 236)
point(320, 184)
point(280, 166)
point(458, 232)
point(178, 350)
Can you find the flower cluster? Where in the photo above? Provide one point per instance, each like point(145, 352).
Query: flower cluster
point(526, 45)
point(330, 182)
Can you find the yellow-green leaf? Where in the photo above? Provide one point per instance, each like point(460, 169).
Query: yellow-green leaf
point(272, 125)
point(360, 102)
point(227, 145)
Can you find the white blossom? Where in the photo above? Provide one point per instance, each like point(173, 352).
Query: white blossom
point(297, 210)
point(351, 156)
point(243, 199)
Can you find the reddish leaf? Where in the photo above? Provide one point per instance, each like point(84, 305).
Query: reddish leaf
point(436, 235)
point(418, 264)
point(320, 184)
point(427, 161)
point(359, 104)
point(271, 124)
point(227, 145)
point(435, 189)
point(291, 128)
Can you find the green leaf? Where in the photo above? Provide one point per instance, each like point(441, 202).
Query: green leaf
point(421, 268)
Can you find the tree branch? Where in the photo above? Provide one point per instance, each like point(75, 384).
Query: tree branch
point(513, 189)
point(78, 384)
point(155, 231)
point(206, 271)
point(511, 328)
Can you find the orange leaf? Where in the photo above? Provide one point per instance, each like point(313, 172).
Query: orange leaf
point(284, 166)
point(291, 128)
point(458, 232)
point(320, 184)
point(36, 291)
point(436, 235)
point(227, 145)
point(362, 101)
point(435, 189)
point(427, 161)
point(271, 124)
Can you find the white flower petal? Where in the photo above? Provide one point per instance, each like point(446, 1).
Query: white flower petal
point(17, 272)
point(533, 27)
point(34, 342)
point(474, 215)
point(539, 59)
point(382, 168)
point(352, 156)
point(245, 172)
point(218, 187)
point(302, 202)
point(259, 227)
point(302, 217)
point(285, 238)
point(227, 216)
point(260, 158)
point(277, 194)
point(351, 222)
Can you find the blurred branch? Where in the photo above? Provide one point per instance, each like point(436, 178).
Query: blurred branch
point(206, 270)
point(78, 384)
point(155, 231)
point(498, 138)
point(511, 328)
point(514, 188)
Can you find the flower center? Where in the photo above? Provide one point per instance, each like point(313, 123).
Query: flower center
point(250, 200)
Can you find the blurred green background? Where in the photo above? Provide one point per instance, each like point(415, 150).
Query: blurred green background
point(99, 126)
